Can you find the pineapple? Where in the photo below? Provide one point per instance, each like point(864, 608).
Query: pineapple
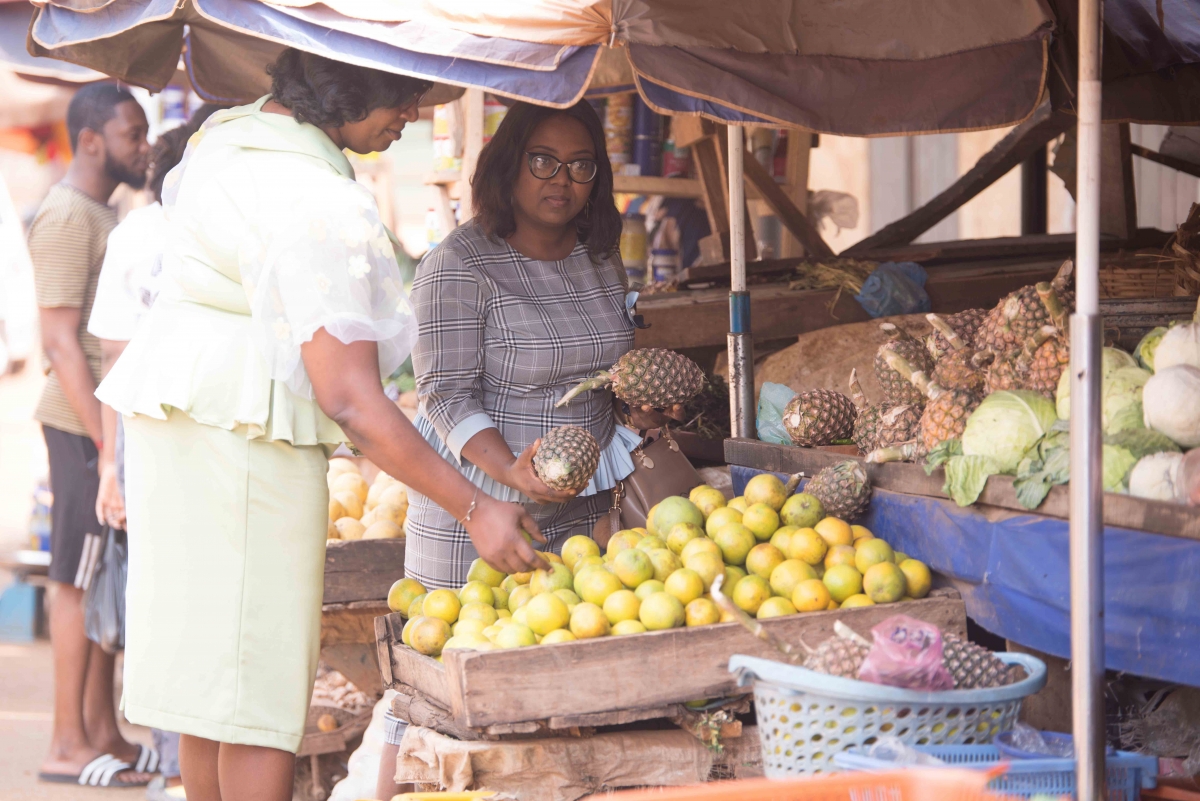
point(842, 489)
point(1043, 356)
point(1019, 316)
point(882, 425)
point(945, 414)
point(839, 656)
point(965, 324)
point(957, 368)
point(567, 458)
point(897, 389)
point(1054, 355)
point(818, 417)
point(653, 377)
point(972, 666)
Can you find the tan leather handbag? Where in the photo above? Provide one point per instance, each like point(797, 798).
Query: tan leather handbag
point(660, 470)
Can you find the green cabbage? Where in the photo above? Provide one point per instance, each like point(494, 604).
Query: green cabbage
point(1120, 392)
point(1144, 352)
point(966, 477)
point(1006, 425)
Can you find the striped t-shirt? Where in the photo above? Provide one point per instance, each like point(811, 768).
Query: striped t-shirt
point(67, 241)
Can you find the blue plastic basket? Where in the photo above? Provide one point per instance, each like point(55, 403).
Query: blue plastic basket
point(805, 717)
point(1127, 773)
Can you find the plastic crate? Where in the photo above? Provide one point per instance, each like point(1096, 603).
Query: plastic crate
point(1127, 774)
point(938, 784)
point(805, 717)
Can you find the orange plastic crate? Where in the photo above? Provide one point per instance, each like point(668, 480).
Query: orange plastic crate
point(915, 784)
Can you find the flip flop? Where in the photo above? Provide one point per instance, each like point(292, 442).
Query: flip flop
point(147, 760)
point(100, 772)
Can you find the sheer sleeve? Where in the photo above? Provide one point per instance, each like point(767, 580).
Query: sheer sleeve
point(326, 262)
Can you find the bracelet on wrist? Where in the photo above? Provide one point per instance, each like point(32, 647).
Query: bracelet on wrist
point(470, 509)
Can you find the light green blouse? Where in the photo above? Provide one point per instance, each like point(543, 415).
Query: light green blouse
point(269, 238)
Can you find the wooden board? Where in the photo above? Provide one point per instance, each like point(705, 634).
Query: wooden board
point(609, 674)
point(1168, 519)
point(655, 185)
point(362, 570)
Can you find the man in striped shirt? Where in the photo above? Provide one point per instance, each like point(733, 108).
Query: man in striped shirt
point(67, 242)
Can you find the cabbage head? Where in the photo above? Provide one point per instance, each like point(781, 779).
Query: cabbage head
point(1144, 352)
point(1120, 393)
point(1006, 425)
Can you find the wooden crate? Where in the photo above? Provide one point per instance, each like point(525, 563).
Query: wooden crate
point(612, 679)
point(361, 570)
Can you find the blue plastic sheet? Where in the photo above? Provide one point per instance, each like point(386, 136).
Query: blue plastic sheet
point(1013, 572)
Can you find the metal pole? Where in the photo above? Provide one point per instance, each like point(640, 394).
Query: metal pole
point(1086, 499)
point(741, 345)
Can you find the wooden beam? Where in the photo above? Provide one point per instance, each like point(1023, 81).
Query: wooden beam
point(1118, 207)
point(799, 149)
point(708, 156)
point(472, 106)
point(1010, 151)
point(792, 218)
point(1178, 164)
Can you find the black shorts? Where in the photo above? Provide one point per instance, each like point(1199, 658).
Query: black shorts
point(75, 534)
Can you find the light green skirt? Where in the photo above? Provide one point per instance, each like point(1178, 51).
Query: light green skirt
point(226, 564)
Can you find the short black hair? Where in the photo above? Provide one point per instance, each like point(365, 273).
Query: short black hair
point(168, 150)
point(329, 93)
point(92, 106)
point(598, 226)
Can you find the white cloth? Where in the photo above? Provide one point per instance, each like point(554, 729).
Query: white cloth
point(129, 277)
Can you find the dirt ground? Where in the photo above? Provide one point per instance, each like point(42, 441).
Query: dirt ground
point(25, 668)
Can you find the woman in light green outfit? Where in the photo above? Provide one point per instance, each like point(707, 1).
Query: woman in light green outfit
point(281, 307)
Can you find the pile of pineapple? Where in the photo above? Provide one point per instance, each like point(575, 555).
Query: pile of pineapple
point(362, 511)
point(932, 385)
point(779, 556)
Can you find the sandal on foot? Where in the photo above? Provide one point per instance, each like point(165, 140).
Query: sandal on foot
point(103, 771)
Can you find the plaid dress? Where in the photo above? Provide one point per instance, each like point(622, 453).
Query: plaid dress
point(501, 339)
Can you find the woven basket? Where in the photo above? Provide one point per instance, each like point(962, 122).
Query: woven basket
point(1139, 274)
point(1184, 251)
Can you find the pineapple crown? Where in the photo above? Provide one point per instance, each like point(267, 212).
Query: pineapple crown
point(856, 391)
point(1053, 305)
point(918, 378)
point(904, 452)
point(945, 330)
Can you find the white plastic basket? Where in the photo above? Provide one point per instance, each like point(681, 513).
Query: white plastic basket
point(805, 717)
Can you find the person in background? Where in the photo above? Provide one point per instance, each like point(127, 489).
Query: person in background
point(67, 243)
point(127, 287)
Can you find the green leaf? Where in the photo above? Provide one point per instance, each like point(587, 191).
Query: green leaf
point(944, 450)
point(1116, 466)
point(1142, 441)
point(1033, 489)
point(966, 477)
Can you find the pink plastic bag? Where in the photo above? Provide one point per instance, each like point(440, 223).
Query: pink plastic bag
point(906, 653)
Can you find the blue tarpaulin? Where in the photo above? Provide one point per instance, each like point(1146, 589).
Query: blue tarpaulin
point(1013, 572)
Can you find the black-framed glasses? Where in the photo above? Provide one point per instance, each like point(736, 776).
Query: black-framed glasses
point(545, 167)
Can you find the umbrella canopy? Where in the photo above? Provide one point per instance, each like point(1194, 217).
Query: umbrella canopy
point(855, 67)
point(14, 23)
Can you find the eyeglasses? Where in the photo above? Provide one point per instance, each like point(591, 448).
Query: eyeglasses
point(580, 171)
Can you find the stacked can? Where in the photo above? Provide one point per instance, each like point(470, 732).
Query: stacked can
point(647, 138)
point(618, 130)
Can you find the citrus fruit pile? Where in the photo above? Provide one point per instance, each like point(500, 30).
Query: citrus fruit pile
point(779, 556)
point(362, 511)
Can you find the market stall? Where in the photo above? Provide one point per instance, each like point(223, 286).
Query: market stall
point(987, 70)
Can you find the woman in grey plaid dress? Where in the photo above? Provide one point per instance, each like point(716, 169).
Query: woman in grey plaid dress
point(513, 309)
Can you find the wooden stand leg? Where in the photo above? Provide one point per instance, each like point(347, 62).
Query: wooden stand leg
point(314, 762)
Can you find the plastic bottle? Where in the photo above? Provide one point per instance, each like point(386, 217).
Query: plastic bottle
point(664, 263)
point(634, 247)
point(618, 130)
